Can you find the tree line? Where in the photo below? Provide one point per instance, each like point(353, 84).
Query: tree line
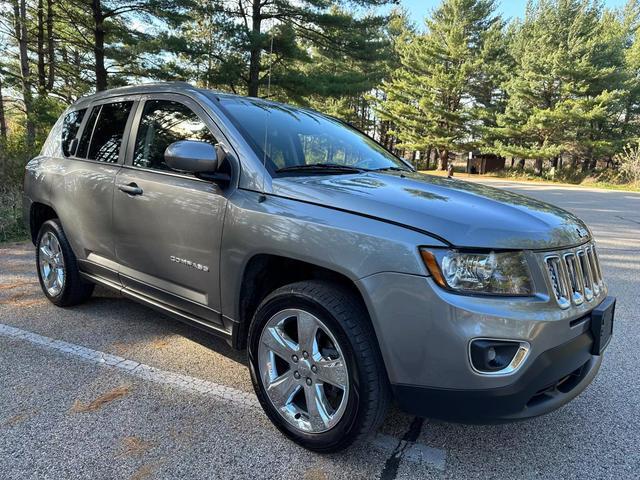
point(559, 87)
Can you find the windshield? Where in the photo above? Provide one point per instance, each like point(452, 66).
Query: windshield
point(295, 137)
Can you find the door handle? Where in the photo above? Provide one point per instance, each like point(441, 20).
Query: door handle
point(130, 189)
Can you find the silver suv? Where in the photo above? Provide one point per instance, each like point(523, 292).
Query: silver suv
point(351, 279)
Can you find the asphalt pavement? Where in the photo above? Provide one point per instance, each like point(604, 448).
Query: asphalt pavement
point(113, 390)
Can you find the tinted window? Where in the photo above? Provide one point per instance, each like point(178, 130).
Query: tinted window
point(289, 136)
point(83, 146)
point(164, 122)
point(107, 135)
point(70, 127)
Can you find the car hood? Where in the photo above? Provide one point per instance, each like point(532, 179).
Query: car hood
point(462, 213)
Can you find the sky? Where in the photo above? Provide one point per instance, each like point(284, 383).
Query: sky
point(508, 8)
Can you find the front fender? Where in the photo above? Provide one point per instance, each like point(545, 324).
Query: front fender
point(349, 244)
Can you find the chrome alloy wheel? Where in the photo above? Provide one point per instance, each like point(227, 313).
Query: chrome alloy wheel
point(51, 263)
point(303, 370)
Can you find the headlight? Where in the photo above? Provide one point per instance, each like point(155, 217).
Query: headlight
point(497, 273)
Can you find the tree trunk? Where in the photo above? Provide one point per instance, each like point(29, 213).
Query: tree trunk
point(554, 162)
point(521, 164)
point(3, 120)
point(427, 157)
point(51, 55)
point(98, 47)
point(20, 25)
point(444, 159)
point(537, 167)
point(256, 49)
point(42, 78)
point(589, 164)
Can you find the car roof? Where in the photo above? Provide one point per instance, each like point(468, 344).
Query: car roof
point(174, 87)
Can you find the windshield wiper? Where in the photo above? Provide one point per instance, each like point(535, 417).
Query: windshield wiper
point(395, 169)
point(321, 167)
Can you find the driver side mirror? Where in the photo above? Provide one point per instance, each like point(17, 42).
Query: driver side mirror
point(193, 156)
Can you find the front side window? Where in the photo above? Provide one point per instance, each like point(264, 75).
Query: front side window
point(70, 127)
point(108, 132)
point(164, 122)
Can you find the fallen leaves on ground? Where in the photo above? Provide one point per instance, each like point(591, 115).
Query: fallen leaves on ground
point(102, 400)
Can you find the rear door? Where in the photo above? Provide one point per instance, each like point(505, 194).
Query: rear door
point(83, 192)
point(168, 229)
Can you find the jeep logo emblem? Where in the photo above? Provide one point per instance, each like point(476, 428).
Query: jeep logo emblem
point(582, 232)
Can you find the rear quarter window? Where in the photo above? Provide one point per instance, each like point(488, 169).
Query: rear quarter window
point(70, 126)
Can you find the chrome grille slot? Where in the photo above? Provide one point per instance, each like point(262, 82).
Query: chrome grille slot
point(596, 259)
point(587, 275)
point(558, 280)
point(575, 275)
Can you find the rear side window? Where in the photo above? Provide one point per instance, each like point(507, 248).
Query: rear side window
point(102, 136)
point(164, 122)
point(83, 146)
point(70, 127)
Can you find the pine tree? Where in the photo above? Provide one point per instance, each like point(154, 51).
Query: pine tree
point(244, 30)
point(433, 98)
point(564, 93)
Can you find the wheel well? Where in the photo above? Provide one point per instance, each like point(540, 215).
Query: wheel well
point(265, 273)
point(39, 214)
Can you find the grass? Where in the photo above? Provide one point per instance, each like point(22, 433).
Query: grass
point(11, 227)
point(604, 179)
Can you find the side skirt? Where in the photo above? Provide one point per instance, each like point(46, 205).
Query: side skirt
point(162, 308)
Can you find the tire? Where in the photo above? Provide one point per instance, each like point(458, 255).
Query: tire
point(71, 289)
point(352, 411)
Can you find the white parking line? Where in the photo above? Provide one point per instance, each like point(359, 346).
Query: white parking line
point(146, 372)
point(416, 452)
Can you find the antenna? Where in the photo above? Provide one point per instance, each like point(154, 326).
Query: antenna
point(263, 197)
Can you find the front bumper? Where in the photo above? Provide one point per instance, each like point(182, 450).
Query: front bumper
point(424, 335)
point(554, 378)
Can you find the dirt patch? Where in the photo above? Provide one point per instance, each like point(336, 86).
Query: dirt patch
point(9, 286)
point(159, 344)
point(134, 446)
point(16, 419)
point(102, 400)
point(315, 474)
point(145, 471)
point(23, 300)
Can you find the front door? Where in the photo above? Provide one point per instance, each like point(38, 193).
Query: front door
point(168, 224)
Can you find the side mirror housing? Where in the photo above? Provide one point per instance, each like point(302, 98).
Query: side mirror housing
point(193, 156)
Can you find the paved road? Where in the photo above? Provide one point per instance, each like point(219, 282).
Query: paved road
point(181, 407)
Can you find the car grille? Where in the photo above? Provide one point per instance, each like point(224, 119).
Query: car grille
point(575, 275)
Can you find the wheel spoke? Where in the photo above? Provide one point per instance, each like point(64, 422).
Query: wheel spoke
point(50, 276)
point(307, 330)
point(333, 372)
point(282, 389)
point(59, 278)
point(278, 342)
point(317, 404)
point(58, 260)
point(45, 251)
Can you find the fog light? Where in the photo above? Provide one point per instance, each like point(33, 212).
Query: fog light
point(497, 357)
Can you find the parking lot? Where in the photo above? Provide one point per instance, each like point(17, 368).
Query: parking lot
point(182, 406)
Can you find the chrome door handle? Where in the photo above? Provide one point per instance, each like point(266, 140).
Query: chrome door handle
point(130, 189)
